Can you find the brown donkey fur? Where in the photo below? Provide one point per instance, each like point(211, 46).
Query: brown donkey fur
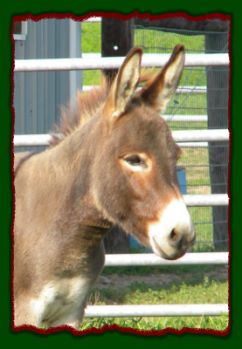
point(115, 163)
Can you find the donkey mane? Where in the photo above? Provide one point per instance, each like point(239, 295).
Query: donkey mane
point(75, 115)
point(86, 105)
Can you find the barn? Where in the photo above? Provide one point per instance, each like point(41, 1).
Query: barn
point(38, 96)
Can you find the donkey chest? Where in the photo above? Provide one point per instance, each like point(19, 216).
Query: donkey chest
point(60, 300)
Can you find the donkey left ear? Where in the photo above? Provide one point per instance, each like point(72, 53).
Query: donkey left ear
point(160, 90)
point(125, 83)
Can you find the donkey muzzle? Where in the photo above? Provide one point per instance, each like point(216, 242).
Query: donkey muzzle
point(173, 234)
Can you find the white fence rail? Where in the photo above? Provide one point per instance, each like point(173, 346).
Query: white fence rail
point(179, 136)
point(181, 89)
point(95, 61)
point(93, 19)
point(185, 118)
point(206, 200)
point(144, 259)
point(201, 135)
point(156, 310)
point(43, 140)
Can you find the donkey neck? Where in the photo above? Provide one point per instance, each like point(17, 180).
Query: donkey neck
point(72, 159)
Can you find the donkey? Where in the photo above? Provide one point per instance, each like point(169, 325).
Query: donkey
point(114, 164)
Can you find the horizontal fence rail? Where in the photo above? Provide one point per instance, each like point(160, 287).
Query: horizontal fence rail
point(185, 118)
point(191, 89)
point(206, 200)
point(93, 19)
point(21, 141)
point(150, 259)
point(95, 61)
point(179, 136)
point(156, 310)
point(193, 144)
point(181, 89)
point(201, 135)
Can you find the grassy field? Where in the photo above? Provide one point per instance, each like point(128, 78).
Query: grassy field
point(193, 284)
point(162, 285)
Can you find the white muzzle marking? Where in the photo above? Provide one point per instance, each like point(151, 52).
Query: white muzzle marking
point(173, 233)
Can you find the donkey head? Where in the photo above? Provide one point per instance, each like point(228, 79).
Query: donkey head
point(135, 183)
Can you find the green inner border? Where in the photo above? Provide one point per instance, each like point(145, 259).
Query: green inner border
point(201, 8)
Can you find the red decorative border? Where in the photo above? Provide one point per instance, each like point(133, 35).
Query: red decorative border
point(149, 16)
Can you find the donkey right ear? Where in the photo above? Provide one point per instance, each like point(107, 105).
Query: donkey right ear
point(159, 91)
point(125, 83)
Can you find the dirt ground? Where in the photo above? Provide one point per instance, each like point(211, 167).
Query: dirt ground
point(219, 273)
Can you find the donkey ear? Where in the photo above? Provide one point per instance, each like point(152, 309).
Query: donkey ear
point(160, 90)
point(125, 83)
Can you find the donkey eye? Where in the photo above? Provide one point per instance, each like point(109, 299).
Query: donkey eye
point(135, 160)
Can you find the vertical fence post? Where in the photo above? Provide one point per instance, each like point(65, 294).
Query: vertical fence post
point(117, 40)
point(217, 99)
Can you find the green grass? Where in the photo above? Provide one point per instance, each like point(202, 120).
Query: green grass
point(91, 43)
point(189, 103)
point(195, 160)
point(216, 323)
point(198, 182)
point(141, 293)
point(91, 37)
point(153, 40)
point(192, 286)
point(202, 219)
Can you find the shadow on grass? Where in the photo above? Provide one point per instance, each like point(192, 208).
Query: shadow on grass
point(182, 285)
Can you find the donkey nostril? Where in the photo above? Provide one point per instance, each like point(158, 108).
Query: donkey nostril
point(173, 235)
